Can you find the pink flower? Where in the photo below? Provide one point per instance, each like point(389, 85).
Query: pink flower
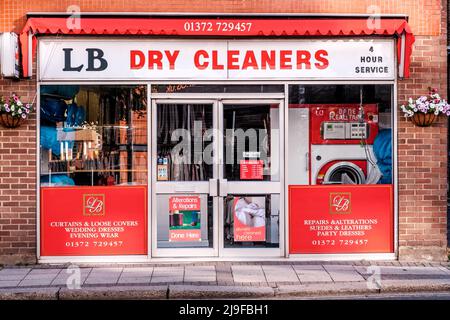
point(27, 110)
point(7, 109)
point(16, 98)
point(24, 115)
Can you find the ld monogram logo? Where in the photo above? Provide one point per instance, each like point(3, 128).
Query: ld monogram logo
point(340, 202)
point(94, 204)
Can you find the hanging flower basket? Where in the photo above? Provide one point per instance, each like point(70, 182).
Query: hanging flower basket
point(13, 112)
point(421, 119)
point(8, 121)
point(425, 110)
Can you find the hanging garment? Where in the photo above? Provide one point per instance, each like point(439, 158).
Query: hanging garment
point(382, 148)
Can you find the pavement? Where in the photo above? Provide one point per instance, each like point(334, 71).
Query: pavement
point(223, 280)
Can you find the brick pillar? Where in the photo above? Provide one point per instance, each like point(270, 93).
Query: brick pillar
point(422, 157)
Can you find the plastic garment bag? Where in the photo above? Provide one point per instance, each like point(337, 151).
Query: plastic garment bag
point(382, 147)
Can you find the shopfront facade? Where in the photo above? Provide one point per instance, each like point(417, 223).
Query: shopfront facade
point(226, 138)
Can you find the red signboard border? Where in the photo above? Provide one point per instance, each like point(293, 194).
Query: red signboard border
point(391, 215)
point(42, 219)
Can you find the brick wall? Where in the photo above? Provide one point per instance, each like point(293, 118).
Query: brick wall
point(422, 155)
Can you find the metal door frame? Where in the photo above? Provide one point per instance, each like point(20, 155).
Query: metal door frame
point(244, 187)
point(217, 249)
point(201, 188)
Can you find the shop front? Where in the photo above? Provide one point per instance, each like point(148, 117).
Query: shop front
point(223, 139)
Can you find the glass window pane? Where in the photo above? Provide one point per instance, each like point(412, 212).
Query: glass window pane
point(93, 177)
point(251, 142)
point(184, 221)
point(251, 221)
point(340, 134)
point(184, 142)
point(93, 135)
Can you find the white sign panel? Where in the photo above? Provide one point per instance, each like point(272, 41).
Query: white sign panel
point(9, 54)
point(93, 59)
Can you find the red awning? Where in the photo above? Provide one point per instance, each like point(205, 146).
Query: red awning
point(219, 27)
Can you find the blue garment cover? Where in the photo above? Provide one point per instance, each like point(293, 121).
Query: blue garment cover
point(382, 147)
point(58, 179)
point(75, 115)
point(49, 139)
point(53, 110)
point(65, 91)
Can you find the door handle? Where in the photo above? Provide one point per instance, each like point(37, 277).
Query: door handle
point(307, 161)
point(213, 187)
point(223, 187)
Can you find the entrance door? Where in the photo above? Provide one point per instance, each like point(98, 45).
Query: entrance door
point(216, 178)
point(250, 201)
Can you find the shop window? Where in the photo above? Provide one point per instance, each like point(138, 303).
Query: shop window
point(93, 136)
point(93, 170)
point(340, 134)
point(340, 169)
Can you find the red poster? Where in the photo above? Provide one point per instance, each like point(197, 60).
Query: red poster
point(341, 219)
point(249, 219)
point(84, 221)
point(184, 219)
point(251, 169)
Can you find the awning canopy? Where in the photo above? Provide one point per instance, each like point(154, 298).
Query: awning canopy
point(219, 27)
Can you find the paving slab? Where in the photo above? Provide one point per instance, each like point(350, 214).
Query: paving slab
point(9, 283)
point(428, 271)
point(137, 272)
point(14, 271)
point(218, 292)
point(312, 273)
point(111, 280)
point(29, 294)
point(280, 273)
point(45, 271)
point(248, 273)
point(105, 272)
point(200, 274)
point(115, 293)
point(319, 289)
point(167, 274)
point(11, 277)
point(343, 273)
point(71, 275)
point(103, 276)
point(134, 280)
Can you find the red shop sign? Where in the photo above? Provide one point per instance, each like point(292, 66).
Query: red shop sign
point(84, 221)
point(341, 219)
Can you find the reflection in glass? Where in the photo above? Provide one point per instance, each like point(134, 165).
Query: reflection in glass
point(251, 148)
point(93, 135)
point(182, 142)
point(340, 134)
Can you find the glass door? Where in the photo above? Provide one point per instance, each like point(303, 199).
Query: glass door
point(250, 202)
point(216, 175)
point(184, 200)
